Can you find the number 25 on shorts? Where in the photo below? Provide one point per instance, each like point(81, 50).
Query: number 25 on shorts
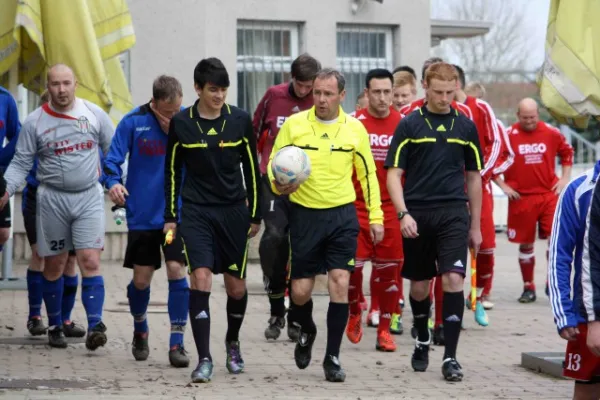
point(57, 245)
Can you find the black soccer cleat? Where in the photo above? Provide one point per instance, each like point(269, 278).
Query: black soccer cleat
point(73, 330)
point(178, 356)
point(36, 326)
point(56, 338)
point(139, 346)
point(333, 370)
point(438, 336)
point(276, 324)
point(96, 337)
point(452, 370)
point(420, 357)
point(293, 331)
point(303, 350)
point(528, 296)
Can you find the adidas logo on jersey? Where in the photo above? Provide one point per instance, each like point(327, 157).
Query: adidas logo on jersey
point(295, 109)
point(441, 128)
point(212, 132)
point(361, 116)
point(325, 136)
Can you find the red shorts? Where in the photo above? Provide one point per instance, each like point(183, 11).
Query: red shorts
point(488, 229)
point(580, 363)
point(390, 248)
point(526, 213)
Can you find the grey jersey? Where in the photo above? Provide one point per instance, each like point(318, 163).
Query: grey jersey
point(66, 146)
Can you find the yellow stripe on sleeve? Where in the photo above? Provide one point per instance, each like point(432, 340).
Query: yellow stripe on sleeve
point(254, 179)
point(405, 142)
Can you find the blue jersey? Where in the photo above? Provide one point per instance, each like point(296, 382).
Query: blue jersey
point(566, 250)
point(590, 267)
point(140, 135)
point(10, 126)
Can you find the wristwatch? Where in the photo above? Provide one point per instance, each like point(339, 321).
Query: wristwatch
point(401, 214)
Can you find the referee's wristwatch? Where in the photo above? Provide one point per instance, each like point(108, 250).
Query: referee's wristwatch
point(401, 214)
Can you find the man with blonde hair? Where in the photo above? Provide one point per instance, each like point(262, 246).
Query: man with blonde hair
point(405, 89)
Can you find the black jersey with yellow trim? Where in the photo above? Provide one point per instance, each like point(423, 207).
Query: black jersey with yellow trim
point(218, 157)
point(435, 150)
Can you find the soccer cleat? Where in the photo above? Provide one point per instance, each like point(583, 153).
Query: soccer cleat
point(373, 319)
point(36, 326)
point(438, 336)
point(96, 337)
point(420, 357)
point(487, 304)
point(385, 342)
point(452, 370)
point(430, 323)
point(333, 370)
point(139, 346)
point(481, 316)
point(354, 330)
point(401, 301)
point(203, 372)
point(56, 338)
point(528, 296)
point(178, 357)
point(396, 327)
point(303, 350)
point(293, 331)
point(276, 324)
point(73, 329)
point(234, 362)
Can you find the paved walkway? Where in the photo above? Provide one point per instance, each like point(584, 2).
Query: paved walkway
point(490, 356)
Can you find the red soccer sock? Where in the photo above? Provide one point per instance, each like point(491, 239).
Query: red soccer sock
point(487, 289)
point(527, 263)
point(374, 289)
point(387, 290)
point(356, 281)
point(439, 301)
point(485, 267)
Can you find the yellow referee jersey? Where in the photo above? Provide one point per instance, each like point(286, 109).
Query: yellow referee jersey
point(335, 150)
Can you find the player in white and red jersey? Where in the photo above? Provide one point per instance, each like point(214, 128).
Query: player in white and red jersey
point(380, 120)
point(491, 145)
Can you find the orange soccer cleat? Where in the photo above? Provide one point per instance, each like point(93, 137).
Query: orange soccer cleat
point(385, 341)
point(354, 329)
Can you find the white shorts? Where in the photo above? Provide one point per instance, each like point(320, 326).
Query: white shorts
point(69, 220)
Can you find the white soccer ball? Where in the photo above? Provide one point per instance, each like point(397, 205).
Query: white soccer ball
point(291, 165)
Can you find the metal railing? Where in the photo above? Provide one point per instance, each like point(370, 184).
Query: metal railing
point(586, 152)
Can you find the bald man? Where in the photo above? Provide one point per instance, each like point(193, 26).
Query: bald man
point(532, 185)
point(65, 134)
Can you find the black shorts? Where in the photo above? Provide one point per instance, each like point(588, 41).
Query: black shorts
point(143, 248)
point(28, 206)
point(216, 237)
point(275, 209)
point(442, 244)
point(322, 240)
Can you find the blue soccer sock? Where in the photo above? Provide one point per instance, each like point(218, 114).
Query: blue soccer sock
point(138, 305)
point(34, 292)
point(92, 297)
point(69, 295)
point(179, 304)
point(53, 293)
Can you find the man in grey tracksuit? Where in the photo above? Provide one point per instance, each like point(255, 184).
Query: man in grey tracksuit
point(65, 134)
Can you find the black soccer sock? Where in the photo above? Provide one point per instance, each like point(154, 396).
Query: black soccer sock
point(420, 310)
point(236, 309)
point(200, 321)
point(291, 312)
point(452, 311)
point(277, 304)
point(337, 318)
point(303, 315)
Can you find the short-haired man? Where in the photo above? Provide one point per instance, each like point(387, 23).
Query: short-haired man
point(566, 250)
point(362, 101)
point(405, 89)
point(475, 89)
point(532, 186)
point(432, 148)
point(380, 121)
point(323, 222)
point(210, 140)
point(405, 68)
point(65, 135)
point(141, 138)
point(278, 103)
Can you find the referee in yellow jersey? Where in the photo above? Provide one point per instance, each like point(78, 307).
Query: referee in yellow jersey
point(323, 223)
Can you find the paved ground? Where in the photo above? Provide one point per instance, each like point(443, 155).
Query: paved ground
point(490, 356)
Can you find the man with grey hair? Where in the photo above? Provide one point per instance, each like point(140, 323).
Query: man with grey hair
point(65, 134)
point(337, 145)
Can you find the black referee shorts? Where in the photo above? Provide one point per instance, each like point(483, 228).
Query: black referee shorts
point(443, 240)
point(216, 237)
point(143, 248)
point(322, 240)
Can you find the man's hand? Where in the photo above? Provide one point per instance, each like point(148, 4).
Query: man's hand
point(569, 333)
point(254, 228)
point(475, 239)
point(117, 194)
point(408, 226)
point(162, 120)
point(376, 233)
point(4, 200)
point(593, 337)
point(560, 185)
point(511, 193)
point(170, 226)
point(286, 189)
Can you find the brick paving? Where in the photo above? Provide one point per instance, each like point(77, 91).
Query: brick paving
point(490, 356)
